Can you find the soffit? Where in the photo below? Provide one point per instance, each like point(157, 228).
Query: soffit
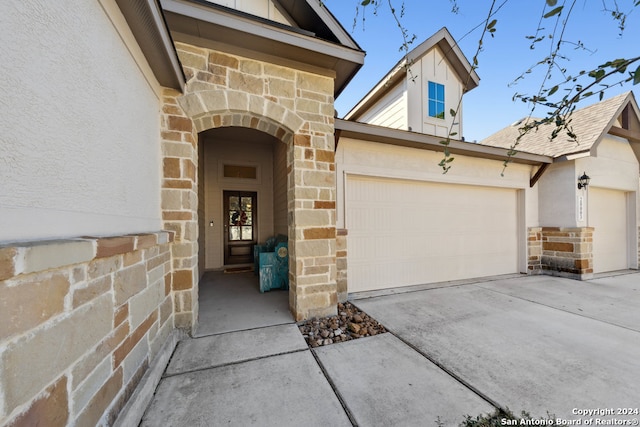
point(147, 24)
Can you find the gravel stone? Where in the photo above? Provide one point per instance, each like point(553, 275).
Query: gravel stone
point(350, 323)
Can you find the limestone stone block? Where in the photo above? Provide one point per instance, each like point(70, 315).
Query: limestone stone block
point(100, 353)
point(31, 300)
point(280, 72)
point(224, 60)
point(130, 342)
point(144, 303)
point(311, 218)
point(92, 290)
point(135, 359)
point(96, 408)
point(307, 106)
point(312, 178)
point(182, 280)
point(189, 59)
point(7, 262)
point(103, 266)
point(314, 83)
point(128, 282)
point(251, 67)
point(85, 391)
point(282, 88)
point(29, 364)
point(51, 408)
point(131, 258)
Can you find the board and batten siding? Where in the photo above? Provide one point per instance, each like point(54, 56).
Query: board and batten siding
point(433, 66)
point(262, 8)
point(390, 111)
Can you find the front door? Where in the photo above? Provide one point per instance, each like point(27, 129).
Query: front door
point(240, 216)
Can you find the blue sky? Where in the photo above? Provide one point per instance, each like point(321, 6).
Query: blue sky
point(489, 107)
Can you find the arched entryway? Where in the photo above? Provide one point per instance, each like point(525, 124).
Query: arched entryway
point(292, 110)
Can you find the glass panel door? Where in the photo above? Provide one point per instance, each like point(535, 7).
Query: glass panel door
point(240, 222)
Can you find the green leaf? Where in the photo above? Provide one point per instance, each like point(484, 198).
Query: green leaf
point(553, 90)
point(492, 24)
point(636, 74)
point(554, 12)
point(552, 3)
point(452, 112)
point(365, 2)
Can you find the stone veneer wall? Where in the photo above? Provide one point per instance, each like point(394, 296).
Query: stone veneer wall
point(81, 320)
point(566, 252)
point(341, 264)
point(534, 246)
point(292, 105)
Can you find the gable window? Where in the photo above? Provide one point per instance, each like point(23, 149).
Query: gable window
point(436, 100)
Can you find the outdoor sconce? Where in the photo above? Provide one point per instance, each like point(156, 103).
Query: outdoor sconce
point(583, 181)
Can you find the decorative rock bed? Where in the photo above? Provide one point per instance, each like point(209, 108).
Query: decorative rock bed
point(350, 323)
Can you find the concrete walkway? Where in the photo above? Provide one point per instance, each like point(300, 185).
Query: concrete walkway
point(527, 343)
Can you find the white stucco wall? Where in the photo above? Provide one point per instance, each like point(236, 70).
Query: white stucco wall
point(557, 192)
point(79, 148)
point(612, 165)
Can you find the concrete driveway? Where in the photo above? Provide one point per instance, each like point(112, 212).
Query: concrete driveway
point(539, 344)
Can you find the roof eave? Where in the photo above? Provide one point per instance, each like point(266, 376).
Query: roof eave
point(212, 23)
point(146, 21)
point(384, 135)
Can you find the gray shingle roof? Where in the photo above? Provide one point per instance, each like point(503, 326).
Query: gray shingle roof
point(589, 124)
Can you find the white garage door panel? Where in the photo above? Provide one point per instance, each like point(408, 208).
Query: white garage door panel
point(403, 233)
point(608, 216)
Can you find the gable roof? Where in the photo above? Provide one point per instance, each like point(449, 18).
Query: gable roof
point(442, 39)
point(590, 124)
point(318, 40)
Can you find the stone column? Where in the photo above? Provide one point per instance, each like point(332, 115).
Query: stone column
point(179, 206)
point(568, 252)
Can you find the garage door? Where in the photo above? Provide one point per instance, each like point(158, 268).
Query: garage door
point(404, 233)
point(608, 216)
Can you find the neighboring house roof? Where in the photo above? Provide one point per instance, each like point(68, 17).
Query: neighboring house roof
point(444, 40)
point(318, 40)
point(589, 124)
point(148, 26)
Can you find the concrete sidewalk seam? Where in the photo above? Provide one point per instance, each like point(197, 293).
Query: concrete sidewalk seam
point(238, 362)
point(451, 373)
point(347, 411)
point(195, 337)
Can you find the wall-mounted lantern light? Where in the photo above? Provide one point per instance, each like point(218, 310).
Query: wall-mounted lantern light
point(583, 181)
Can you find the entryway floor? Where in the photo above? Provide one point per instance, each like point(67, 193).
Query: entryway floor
point(233, 302)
